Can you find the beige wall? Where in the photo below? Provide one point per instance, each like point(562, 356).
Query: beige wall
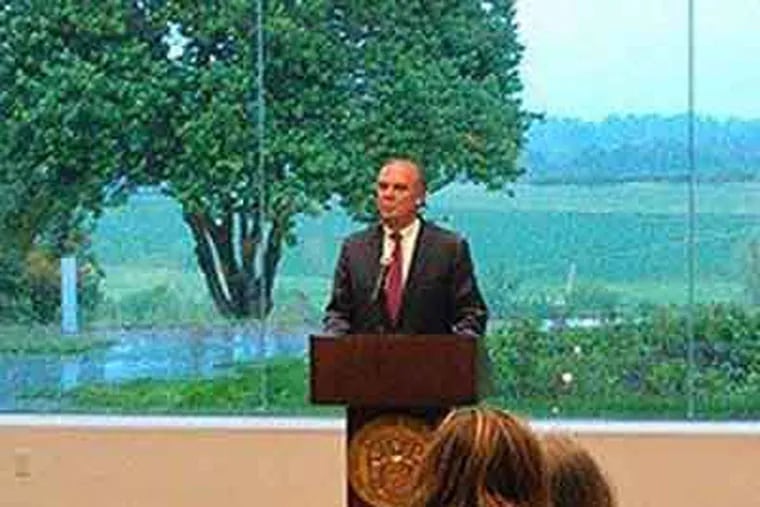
point(113, 465)
point(681, 471)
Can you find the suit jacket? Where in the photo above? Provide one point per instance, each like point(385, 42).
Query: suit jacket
point(440, 296)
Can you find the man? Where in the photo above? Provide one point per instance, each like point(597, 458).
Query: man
point(404, 275)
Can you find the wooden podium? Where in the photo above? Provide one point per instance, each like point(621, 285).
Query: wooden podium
point(396, 389)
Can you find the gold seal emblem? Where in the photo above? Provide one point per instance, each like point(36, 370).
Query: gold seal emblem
point(383, 458)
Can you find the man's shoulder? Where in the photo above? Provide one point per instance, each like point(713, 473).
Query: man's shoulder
point(362, 236)
point(437, 232)
point(431, 230)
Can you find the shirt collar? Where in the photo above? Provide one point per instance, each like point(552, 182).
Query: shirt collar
point(408, 231)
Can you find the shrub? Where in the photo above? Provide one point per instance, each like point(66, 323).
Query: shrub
point(641, 361)
point(14, 296)
point(42, 276)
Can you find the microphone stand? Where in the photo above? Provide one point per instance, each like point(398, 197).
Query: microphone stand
point(377, 293)
point(385, 264)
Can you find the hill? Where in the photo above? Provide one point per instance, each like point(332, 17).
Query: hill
point(641, 148)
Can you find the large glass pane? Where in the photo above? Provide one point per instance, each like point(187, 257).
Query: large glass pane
point(585, 266)
point(727, 223)
point(132, 140)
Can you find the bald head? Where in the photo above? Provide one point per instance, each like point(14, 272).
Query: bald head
point(400, 190)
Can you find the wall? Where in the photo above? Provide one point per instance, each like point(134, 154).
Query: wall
point(158, 462)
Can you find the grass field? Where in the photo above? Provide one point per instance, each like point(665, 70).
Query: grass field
point(628, 240)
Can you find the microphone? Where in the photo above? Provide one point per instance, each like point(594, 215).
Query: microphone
point(385, 263)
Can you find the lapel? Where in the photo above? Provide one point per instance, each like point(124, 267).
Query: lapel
point(374, 252)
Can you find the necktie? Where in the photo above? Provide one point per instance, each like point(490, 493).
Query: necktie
point(394, 280)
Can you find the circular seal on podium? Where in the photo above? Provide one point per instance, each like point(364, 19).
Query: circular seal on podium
point(383, 459)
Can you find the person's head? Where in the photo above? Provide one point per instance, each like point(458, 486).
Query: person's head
point(576, 479)
point(481, 457)
point(399, 192)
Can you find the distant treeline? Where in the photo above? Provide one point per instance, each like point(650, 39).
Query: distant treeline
point(639, 148)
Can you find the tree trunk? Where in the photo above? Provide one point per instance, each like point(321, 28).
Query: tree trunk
point(226, 251)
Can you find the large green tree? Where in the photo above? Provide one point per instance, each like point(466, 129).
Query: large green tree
point(72, 93)
point(171, 92)
point(346, 85)
point(73, 88)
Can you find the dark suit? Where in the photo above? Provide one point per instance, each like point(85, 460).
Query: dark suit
point(440, 295)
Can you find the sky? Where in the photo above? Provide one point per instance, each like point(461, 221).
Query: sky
point(593, 58)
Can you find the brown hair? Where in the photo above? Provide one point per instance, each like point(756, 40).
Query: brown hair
point(482, 457)
point(576, 479)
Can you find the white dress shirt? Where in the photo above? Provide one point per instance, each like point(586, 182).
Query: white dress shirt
point(408, 240)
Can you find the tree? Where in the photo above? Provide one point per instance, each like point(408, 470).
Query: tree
point(71, 88)
point(347, 84)
point(170, 99)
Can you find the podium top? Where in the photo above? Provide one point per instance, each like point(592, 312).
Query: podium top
point(394, 370)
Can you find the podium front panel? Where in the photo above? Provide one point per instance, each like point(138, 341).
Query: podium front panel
point(394, 370)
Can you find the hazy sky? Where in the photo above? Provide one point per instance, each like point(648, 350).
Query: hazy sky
point(592, 58)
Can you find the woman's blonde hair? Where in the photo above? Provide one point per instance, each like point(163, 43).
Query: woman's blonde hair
point(482, 457)
point(575, 477)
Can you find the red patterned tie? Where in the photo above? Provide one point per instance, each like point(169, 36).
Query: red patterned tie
point(394, 279)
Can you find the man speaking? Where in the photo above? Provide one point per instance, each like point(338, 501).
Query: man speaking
point(404, 275)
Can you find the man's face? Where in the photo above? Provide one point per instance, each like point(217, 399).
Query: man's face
point(398, 190)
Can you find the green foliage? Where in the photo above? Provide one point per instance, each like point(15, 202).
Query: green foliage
point(30, 284)
point(14, 297)
point(631, 365)
point(70, 91)
point(728, 350)
point(164, 93)
point(346, 85)
point(42, 278)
